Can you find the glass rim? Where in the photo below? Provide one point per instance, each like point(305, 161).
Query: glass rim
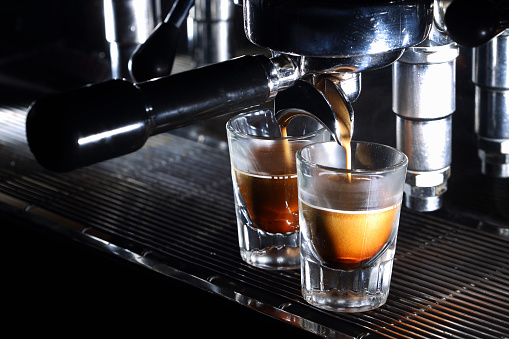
point(230, 128)
point(392, 168)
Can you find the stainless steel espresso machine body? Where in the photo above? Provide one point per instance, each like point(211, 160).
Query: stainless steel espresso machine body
point(310, 43)
point(490, 75)
point(424, 98)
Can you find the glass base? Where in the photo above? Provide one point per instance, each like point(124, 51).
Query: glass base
point(275, 251)
point(341, 301)
point(339, 290)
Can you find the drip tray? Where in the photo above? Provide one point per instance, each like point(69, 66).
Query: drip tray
point(169, 207)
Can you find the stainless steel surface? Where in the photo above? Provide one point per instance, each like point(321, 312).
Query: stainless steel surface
point(491, 62)
point(357, 63)
point(424, 98)
point(427, 141)
point(343, 29)
point(438, 32)
point(282, 75)
point(128, 23)
point(211, 31)
point(349, 83)
point(428, 144)
point(215, 10)
point(169, 208)
point(424, 82)
point(491, 77)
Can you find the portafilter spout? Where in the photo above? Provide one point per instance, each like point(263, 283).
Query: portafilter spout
point(326, 102)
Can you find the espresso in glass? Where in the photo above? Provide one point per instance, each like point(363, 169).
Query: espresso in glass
point(264, 179)
point(348, 221)
point(271, 200)
point(348, 239)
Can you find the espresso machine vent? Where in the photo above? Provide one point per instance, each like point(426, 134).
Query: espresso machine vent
point(169, 207)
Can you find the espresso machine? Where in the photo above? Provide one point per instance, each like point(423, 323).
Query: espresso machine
point(106, 165)
point(308, 44)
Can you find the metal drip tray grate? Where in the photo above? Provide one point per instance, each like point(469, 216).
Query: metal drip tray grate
point(170, 207)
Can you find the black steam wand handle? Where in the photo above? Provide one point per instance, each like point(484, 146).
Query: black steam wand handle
point(472, 23)
point(154, 58)
point(99, 122)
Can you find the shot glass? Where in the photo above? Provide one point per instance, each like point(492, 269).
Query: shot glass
point(349, 223)
point(265, 185)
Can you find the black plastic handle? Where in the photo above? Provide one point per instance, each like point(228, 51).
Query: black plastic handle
point(472, 23)
point(154, 58)
point(99, 122)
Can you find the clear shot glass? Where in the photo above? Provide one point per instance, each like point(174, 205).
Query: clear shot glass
point(265, 185)
point(349, 223)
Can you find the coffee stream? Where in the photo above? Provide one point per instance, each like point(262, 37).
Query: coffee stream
point(344, 121)
point(330, 88)
point(343, 240)
point(286, 143)
point(344, 138)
